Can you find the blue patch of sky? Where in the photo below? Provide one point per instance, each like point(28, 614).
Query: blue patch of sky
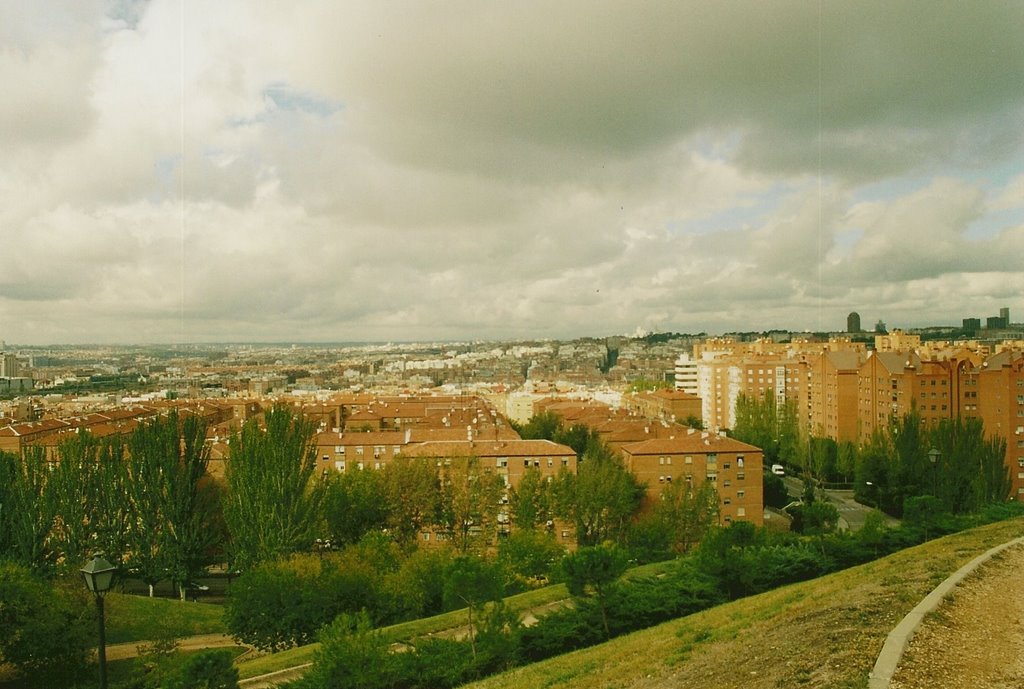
point(165, 170)
point(993, 223)
point(128, 11)
point(721, 148)
point(284, 97)
point(890, 189)
point(750, 211)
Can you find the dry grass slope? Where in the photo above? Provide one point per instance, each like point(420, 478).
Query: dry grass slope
point(823, 633)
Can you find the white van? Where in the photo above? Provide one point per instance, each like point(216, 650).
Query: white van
point(778, 470)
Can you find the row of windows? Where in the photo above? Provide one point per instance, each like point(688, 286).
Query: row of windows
point(502, 462)
point(378, 450)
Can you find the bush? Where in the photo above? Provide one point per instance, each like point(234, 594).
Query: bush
point(206, 670)
point(561, 631)
point(352, 655)
point(283, 603)
point(48, 629)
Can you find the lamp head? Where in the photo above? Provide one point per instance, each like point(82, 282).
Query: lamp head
point(98, 575)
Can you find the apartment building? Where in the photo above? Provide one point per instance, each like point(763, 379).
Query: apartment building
point(509, 459)
point(994, 392)
point(832, 378)
point(695, 457)
point(668, 405)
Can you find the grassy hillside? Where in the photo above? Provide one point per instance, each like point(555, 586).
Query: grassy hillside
point(138, 618)
point(530, 600)
point(821, 633)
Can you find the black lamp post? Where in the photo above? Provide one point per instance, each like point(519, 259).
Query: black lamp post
point(99, 575)
point(934, 456)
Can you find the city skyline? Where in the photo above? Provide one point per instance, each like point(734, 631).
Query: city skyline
point(343, 172)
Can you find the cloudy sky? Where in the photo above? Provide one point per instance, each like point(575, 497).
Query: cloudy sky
point(334, 170)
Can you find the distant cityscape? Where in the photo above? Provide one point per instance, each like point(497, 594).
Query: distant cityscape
point(846, 384)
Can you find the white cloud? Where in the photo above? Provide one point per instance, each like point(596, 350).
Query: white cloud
point(368, 170)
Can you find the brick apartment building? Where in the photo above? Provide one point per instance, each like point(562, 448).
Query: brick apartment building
point(696, 457)
point(847, 393)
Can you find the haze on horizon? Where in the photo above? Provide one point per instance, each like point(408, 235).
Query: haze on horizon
point(176, 171)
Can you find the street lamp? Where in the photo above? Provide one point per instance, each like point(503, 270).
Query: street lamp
point(99, 575)
point(934, 456)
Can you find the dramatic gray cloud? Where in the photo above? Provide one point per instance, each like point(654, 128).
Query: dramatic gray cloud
point(391, 170)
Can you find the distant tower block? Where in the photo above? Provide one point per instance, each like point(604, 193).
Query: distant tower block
point(853, 322)
point(1004, 314)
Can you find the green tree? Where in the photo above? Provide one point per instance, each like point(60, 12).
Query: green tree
point(355, 504)
point(775, 494)
point(471, 581)
point(686, 514)
point(47, 629)
point(531, 502)
point(174, 507)
point(819, 518)
point(600, 499)
point(273, 501)
point(529, 554)
point(73, 489)
point(593, 571)
point(32, 511)
point(193, 502)
point(542, 426)
point(413, 493)
point(352, 655)
point(204, 670)
point(468, 502)
point(756, 421)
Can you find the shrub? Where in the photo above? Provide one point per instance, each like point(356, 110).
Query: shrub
point(206, 670)
point(284, 602)
point(352, 655)
point(48, 629)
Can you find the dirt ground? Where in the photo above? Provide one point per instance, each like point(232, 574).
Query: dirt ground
point(975, 640)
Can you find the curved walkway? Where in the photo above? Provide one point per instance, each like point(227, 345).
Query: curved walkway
point(966, 633)
point(133, 649)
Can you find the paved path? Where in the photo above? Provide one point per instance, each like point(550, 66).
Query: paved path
point(975, 638)
point(134, 649)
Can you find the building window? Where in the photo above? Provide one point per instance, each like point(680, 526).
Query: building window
point(741, 511)
point(726, 465)
point(739, 461)
point(740, 476)
point(502, 462)
point(741, 493)
point(727, 501)
point(688, 460)
point(340, 466)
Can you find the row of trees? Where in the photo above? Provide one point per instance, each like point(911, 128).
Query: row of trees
point(968, 470)
point(146, 501)
point(142, 499)
point(732, 562)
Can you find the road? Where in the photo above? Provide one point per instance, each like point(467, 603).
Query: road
point(851, 512)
